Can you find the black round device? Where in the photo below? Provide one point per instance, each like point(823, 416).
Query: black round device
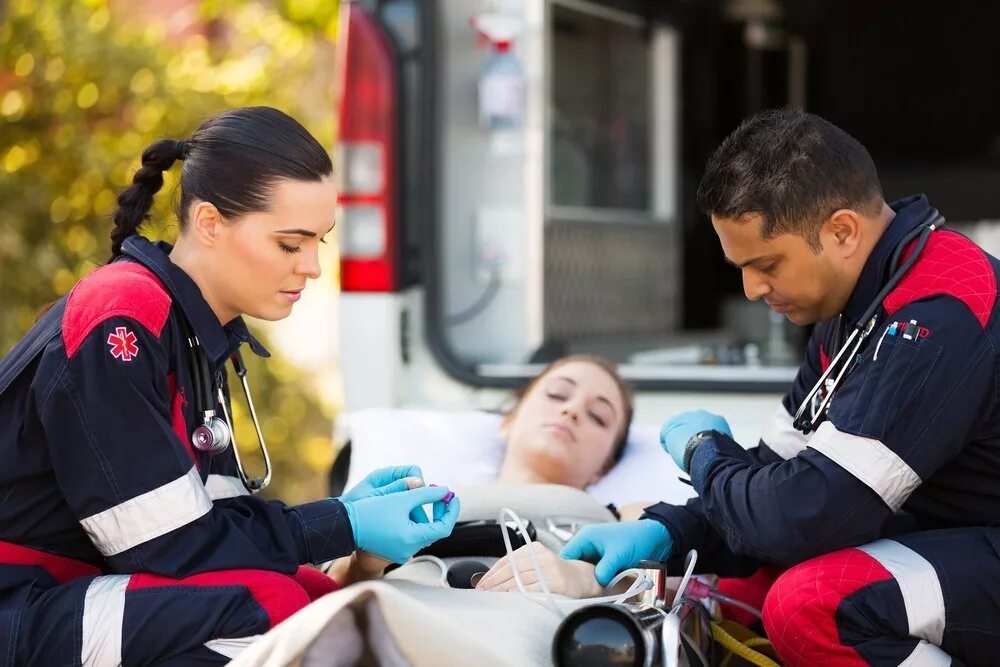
point(460, 574)
point(605, 634)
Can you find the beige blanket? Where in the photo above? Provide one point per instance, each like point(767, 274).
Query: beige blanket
point(409, 619)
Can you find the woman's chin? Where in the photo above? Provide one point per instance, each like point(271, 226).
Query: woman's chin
point(551, 459)
point(270, 313)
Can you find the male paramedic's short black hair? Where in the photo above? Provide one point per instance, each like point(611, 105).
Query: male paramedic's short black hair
point(793, 169)
point(232, 161)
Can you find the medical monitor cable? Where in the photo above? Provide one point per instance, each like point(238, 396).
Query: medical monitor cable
point(437, 561)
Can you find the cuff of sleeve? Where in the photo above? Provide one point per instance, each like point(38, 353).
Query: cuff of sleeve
point(709, 451)
point(325, 530)
point(673, 518)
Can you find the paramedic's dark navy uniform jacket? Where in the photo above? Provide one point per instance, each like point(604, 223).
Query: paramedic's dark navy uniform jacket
point(887, 511)
point(99, 474)
point(914, 427)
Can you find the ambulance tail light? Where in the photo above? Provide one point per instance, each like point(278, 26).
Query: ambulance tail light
point(366, 155)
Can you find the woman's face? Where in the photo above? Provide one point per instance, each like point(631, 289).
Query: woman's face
point(265, 258)
point(565, 427)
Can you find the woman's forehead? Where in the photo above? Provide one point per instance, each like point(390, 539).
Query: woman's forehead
point(311, 204)
point(589, 376)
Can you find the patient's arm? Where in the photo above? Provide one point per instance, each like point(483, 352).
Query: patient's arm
point(359, 566)
point(572, 578)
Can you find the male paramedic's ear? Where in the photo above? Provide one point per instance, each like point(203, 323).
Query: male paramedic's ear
point(844, 226)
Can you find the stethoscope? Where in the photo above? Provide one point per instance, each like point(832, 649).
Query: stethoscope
point(214, 435)
point(816, 404)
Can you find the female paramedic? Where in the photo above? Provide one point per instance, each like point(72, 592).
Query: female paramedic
point(129, 531)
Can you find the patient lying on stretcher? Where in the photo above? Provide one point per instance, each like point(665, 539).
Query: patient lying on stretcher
point(569, 426)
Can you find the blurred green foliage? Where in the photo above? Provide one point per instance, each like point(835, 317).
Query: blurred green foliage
point(85, 85)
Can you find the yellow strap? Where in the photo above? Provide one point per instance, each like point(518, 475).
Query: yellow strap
point(743, 650)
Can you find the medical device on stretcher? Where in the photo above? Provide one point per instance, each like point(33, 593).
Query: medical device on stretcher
point(650, 631)
point(637, 627)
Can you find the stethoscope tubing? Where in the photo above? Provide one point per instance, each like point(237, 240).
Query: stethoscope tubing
point(865, 324)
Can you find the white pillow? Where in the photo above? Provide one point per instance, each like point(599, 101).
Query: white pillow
point(465, 449)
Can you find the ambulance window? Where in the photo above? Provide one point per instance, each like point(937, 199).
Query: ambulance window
point(599, 122)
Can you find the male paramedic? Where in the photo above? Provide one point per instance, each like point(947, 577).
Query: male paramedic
point(876, 483)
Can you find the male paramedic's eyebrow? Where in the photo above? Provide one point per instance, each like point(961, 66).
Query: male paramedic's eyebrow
point(600, 398)
point(747, 262)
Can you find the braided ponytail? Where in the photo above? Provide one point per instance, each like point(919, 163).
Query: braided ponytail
point(232, 161)
point(135, 201)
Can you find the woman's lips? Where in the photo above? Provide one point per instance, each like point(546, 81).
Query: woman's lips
point(562, 429)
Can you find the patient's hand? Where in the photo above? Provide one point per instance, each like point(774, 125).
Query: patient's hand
point(572, 578)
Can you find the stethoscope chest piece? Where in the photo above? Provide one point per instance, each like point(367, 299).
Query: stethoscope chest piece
point(215, 434)
point(213, 437)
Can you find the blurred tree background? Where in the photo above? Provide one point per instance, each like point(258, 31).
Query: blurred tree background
point(85, 85)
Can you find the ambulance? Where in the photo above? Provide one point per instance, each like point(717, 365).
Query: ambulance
point(518, 181)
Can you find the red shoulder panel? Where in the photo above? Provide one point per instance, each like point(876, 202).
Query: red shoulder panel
point(951, 265)
point(122, 289)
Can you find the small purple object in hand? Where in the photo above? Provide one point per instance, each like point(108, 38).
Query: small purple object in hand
point(447, 498)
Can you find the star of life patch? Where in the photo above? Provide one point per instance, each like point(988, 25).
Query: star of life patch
point(123, 344)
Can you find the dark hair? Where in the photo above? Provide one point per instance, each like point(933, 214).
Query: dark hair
point(232, 161)
point(611, 369)
point(793, 169)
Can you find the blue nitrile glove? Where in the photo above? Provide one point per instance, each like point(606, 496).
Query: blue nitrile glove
point(387, 525)
point(677, 431)
point(384, 480)
point(619, 546)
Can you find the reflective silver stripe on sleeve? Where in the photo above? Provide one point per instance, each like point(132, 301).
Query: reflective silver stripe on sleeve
point(926, 655)
point(224, 486)
point(870, 461)
point(231, 648)
point(783, 438)
point(919, 584)
point(149, 516)
point(103, 615)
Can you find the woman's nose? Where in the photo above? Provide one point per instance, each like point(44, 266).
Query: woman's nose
point(309, 266)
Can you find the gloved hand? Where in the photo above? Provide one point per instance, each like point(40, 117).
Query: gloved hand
point(393, 525)
point(619, 546)
point(385, 480)
point(677, 431)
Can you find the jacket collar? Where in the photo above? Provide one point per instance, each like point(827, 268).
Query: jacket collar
point(910, 212)
point(219, 341)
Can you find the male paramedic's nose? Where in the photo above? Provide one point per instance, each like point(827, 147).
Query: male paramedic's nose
point(874, 482)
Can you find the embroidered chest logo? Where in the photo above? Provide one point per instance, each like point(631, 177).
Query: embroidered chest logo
point(122, 343)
